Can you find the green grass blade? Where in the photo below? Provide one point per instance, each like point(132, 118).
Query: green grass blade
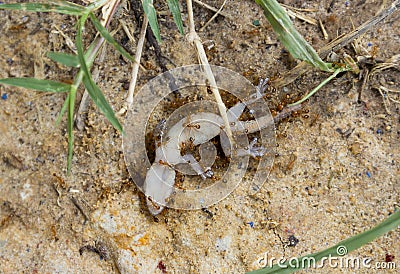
point(176, 13)
point(350, 244)
point(289, 36)
point(323, 83)
point(72, 60)
point(70, 128)
point(36, 84)
point(93, 90)
point(69, 60)
point(63, 109)
point(107, 36)
point(96, 5)
point(78, 78)
point(101, 102)
point(152, 16)
point(70, 103)
point(63, 7)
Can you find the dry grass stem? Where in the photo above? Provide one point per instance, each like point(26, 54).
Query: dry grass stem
point(194, 38)
point(297, 13)
point(214, 16)
point(222, 13)
point(204, 5)
point(135, 67)
point(321, 25)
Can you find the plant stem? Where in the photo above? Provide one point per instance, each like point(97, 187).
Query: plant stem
point(96, 5)
point(136, 64)
point(214, 16)
point(193, 37)
point(337, 71)
point(92, 53)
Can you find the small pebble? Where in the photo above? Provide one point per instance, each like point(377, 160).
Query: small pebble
point(356, 148)
point(293, 241)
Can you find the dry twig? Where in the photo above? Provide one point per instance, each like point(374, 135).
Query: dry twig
point(135, 67)
point(297, 13)
point(214, 16)
point(194, 38)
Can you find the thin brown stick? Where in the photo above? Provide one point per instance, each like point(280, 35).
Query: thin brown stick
point(321, 25)
point(222, 13)
point(295, 13)
point(214, 16)
point(204, 5)
point(135, 67)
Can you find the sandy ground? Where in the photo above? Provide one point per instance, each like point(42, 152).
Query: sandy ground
point(336, 170)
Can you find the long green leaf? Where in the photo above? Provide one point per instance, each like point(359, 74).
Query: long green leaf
point(63, 109)
point(36, 84)
point(289, 36)
point(69, 60)
point(347, 245)
point(94, 5)
point(107, 36)
point(93, 90)
point(70, 128)
point(70, 101)
point(72, 60)
point(323, 83)
point(151, 14)
point(64, 7)
point(176, 13)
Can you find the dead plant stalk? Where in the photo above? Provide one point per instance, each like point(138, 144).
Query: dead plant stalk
point(194, 38)
point(135, 67)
